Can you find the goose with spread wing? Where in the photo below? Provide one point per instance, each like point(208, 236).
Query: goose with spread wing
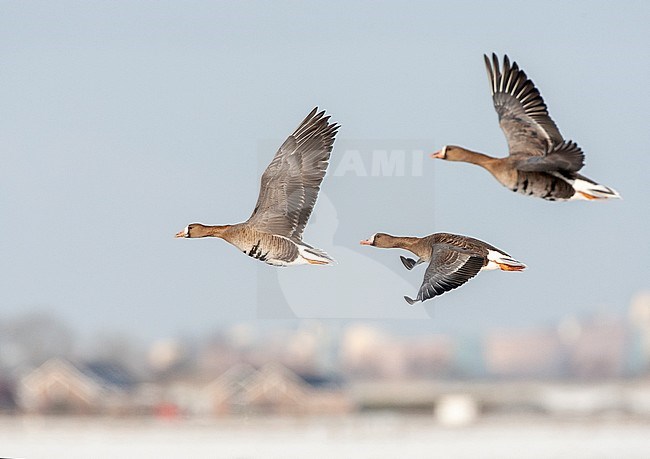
point(288, 191)
point(453, 259)
point(541, 162)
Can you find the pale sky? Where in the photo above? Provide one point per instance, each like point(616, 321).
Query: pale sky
point(124, 121)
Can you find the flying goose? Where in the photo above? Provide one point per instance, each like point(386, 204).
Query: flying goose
point(453, 259)
point(288, 191)
point(541, 162)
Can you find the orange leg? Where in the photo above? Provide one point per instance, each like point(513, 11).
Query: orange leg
point(316, 262)
point(505, 267)
point(588, 196)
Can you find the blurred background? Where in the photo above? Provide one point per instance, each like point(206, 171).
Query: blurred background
point(123, 122)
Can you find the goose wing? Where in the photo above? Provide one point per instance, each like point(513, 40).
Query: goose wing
point(291, 182)
point(523, 115)
point(565, 156)
point(450, 267)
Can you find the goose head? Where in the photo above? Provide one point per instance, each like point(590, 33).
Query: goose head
point(190, 230)
point(450, 153)
point(379, 240)
point(199, 230)
point(456, 153)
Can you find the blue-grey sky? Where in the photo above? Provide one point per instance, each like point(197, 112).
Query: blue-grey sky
point(121, 122)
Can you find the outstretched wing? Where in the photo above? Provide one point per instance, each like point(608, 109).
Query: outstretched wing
point(450, 267)
point(290, 184)
point(523, 115)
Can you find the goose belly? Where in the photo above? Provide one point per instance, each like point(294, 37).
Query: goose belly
point(542, 185)
point(302, 256)
point(270, 249)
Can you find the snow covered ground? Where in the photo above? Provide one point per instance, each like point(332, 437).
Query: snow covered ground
point(370, 436)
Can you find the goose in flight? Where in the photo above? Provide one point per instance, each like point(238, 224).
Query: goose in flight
point(541, 162)
point(453, 259)
point(288, 191)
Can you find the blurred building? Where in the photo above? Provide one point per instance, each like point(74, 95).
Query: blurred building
point(228, 393)
point(245, 390)
point(368, 352)
point(532, 353)
point(59, 387)
point(308, 348)
point(598, 349)
point(7, 396)
point(275, 389)
point(639, 316)
point(428, 356)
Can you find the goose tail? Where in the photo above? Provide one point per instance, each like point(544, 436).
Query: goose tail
point(315, 256)
point(503, 261)
point(589, 190)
